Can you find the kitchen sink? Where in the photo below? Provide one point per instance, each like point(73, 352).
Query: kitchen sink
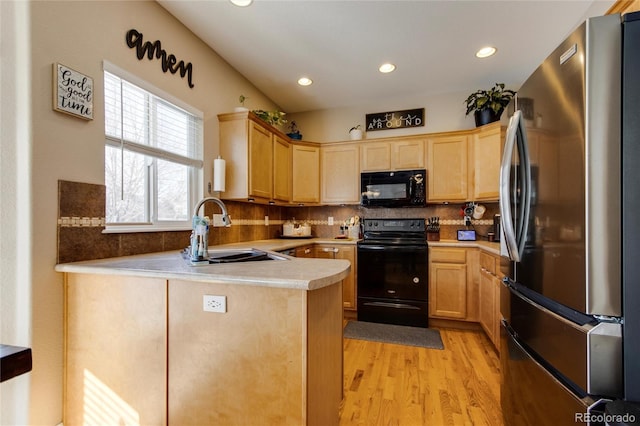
point(235, 256)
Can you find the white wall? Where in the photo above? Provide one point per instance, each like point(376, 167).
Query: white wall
point(444, 112)
point(46, 146)
point(15, 189)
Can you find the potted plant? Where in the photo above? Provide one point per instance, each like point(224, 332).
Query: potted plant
point(355, 133)
point(241, 99)
point(294, 133)
point(487, 105)
point(275, 118)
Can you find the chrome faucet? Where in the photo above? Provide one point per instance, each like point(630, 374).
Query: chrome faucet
point(199, 245)
point(225, 216)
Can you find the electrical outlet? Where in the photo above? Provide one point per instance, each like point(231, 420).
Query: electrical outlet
point(214, 303)
point(330, 220)
point(266, 221)
point(217, 220)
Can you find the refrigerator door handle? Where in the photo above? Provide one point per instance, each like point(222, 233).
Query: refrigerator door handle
point(505, 189)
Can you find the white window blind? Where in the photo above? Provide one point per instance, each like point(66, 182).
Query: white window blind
point(153, 155)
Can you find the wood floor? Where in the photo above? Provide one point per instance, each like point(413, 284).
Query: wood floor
point(389, 384)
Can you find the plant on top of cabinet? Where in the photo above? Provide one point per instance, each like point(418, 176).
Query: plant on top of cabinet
point(275, 118)
point(487, 105)
point(294, 133)
point(355, 133)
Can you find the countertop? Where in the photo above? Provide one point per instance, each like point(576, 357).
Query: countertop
point(297, 273)
point(493, 248)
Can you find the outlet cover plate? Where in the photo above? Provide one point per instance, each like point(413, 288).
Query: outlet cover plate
point(214, 303)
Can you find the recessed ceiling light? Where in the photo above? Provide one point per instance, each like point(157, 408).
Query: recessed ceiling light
point(386, 68)
point(486, 52)
point(304, 81)
point(242, 3)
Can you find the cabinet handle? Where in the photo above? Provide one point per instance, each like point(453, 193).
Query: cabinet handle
point(307, 251)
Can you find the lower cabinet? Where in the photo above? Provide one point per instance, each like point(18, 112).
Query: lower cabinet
point(489, 301)
point(347, 252)
point(464, 285)
point(448, 283)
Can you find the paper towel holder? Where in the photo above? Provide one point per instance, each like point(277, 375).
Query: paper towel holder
point(219, 169)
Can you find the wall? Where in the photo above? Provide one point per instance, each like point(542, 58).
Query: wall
point(443, 113)
point(79, 35)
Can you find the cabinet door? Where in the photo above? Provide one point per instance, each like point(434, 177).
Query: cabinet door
point(448, 290)
point(340, 174)
point(324, 251)
point(306, 174)
point(486, 149)
point(281, 169)
point(447, 164)
point(306, 251)
point(260, 161)
point(487, 304)
point(407, 154)
point(375, 156)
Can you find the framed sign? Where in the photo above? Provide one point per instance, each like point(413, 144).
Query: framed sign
point(395, 119)
point(72, 92)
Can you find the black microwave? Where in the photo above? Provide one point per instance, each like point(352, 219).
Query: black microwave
point(404, 188)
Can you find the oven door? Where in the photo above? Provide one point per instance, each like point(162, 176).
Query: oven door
point(396, 272)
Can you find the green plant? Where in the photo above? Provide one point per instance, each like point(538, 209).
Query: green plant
point(495, 98)
point(242, 98)
point(275, 118)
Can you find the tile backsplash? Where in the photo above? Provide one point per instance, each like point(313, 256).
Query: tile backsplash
point(81, 222)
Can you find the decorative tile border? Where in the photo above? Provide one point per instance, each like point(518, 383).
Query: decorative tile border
point(86, 222)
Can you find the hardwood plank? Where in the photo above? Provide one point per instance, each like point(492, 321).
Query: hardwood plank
point(388, 384)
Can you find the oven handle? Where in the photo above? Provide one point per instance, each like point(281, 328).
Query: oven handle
point(392, 247)
point(391, 305)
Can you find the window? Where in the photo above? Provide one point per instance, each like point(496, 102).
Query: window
point(153, 156)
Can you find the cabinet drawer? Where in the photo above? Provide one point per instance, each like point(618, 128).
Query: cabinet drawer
point(448, 255)
point(488, 262)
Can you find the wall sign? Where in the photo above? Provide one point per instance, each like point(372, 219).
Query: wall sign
point(168, 62)
point(395, 119)
point(72, 92)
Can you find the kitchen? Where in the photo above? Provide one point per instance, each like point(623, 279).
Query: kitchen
point(61, 151)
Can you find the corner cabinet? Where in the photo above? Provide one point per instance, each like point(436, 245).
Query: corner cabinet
point(258, 159)
point(306, 174)
point(347, 252)
point(340, 173)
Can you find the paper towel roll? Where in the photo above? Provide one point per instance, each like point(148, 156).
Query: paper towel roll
point(219, 167)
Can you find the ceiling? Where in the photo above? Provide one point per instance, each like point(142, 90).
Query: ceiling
point(341, 44)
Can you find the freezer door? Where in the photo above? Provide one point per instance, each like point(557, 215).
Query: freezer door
point(530, 395)
point(587, 357)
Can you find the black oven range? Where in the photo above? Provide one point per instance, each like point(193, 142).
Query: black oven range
point(393, 272)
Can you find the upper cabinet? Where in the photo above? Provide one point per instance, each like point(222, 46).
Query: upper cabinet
point(486, 155)
point(340, 173)
point(464, 166)
point(397, 154)
point(306, 174)
point(447, 168)
point(282, 169)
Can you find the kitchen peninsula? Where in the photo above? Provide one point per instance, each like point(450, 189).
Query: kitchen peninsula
point(137, 339)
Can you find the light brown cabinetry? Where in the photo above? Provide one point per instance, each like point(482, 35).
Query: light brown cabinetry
point(447, 283)
point(340, 173)
point(486, 146)
point(115, 349)
point(489, 303)
point(400, 154)
point(347, 252)
point(274, 357)
point(464, 166)
point(447, 168)
point(306, 174)
point(305, 251)
point(282, 168)
point(258, 166)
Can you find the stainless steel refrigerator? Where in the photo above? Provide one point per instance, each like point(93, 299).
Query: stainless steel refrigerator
point(561, 205)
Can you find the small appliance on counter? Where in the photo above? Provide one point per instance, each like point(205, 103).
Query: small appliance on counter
point(293, 229)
